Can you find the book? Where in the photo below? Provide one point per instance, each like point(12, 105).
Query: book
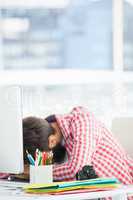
point(60, 187)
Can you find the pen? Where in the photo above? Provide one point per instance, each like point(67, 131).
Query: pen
point(36, 157)
point(44, 157)
point(30, 158)
point(50, 157)
point(39, 158)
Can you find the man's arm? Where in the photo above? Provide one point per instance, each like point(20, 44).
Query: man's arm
point(84, 144)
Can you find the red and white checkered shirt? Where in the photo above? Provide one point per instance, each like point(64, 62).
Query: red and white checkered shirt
point(88, 142)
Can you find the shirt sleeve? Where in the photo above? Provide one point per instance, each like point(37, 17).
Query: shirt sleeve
point(4, 175)
point(83, 147)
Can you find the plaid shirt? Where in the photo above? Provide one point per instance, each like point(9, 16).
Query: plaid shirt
point(88, 142)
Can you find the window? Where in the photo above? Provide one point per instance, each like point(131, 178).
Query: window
point(77, 36)
point(128, 35)
point(68, 56)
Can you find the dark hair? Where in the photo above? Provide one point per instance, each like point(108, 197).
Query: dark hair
point(35, 135)
point(59, 153)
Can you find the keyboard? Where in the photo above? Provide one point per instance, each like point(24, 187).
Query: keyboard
point(12, 184)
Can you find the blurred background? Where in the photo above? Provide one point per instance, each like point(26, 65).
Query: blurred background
point(66, 53)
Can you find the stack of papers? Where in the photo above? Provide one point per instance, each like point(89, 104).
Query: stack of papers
point(70, 187)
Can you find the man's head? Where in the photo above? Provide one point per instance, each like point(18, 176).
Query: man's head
point(39, 134)
point(35, 134)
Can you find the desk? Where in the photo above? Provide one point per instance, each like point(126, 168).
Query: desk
point(117, 194)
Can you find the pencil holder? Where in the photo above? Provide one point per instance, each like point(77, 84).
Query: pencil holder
point(41, 174)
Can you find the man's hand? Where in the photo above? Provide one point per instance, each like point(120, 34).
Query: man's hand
point(24, 175)
point(26, 170)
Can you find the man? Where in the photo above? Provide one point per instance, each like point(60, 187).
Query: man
point(86, 140)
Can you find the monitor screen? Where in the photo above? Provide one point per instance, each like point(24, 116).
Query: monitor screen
point(11, 137)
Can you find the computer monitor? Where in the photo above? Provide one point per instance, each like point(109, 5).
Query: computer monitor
point(11, 137)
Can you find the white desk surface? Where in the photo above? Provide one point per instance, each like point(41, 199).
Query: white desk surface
point(16, 194)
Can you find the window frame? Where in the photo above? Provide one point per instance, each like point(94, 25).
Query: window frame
point(74, 76)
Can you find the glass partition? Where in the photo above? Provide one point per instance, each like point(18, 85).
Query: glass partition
point(76, 36)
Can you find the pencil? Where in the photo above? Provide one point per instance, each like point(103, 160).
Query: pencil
point(30, 158)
